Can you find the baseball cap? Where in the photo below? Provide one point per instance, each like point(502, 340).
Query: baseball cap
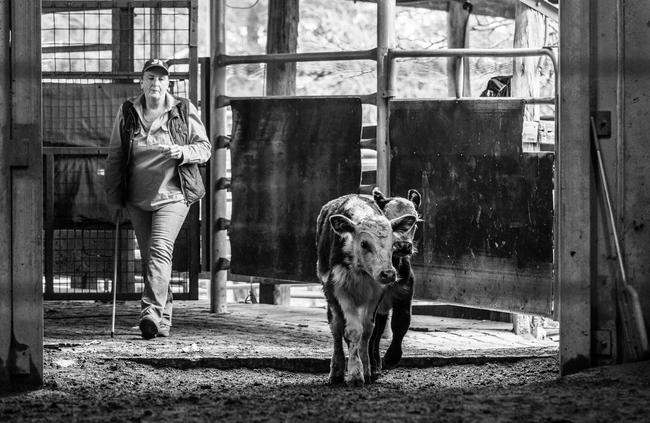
point(155, 63)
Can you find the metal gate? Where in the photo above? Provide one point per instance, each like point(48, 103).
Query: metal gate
point(92, 53)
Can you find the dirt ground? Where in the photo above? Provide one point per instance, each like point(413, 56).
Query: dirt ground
point(268, 363)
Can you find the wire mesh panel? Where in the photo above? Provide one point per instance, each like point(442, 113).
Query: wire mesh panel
point(92, 56)
point(83, 264)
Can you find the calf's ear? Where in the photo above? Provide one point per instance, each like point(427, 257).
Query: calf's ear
point(341, 224)
point(379, 198)
point(404, 223)
point(415, 197)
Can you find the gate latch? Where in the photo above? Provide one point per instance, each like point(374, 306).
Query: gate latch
point(19, 154)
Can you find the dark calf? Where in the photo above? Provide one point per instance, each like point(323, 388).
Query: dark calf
point(355, 247)
point(399, 295)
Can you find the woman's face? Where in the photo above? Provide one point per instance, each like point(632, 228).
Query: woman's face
point(154, 84)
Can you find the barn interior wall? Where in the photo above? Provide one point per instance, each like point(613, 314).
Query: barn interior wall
point(634, 153)
point(603, 69)
point(605, 91)
point(620, 87)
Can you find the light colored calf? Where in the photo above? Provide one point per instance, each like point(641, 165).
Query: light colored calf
point(355, 248)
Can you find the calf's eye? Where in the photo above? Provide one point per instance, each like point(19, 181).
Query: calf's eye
point(365, 245)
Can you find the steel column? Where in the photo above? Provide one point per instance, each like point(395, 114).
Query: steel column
point(220, 246)
point(385, 42)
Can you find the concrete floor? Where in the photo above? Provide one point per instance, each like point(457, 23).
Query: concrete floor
point(262, 363)
point(271, 336)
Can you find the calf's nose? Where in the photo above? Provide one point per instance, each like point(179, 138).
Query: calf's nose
point(387, 276)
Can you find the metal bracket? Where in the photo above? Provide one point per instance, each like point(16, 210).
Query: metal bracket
point(20, 359)
point(602, 340)
point(19, 154)
point(603, 120)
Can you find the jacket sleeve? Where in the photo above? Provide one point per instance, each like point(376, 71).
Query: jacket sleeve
point(113, 170)
point(198, 148)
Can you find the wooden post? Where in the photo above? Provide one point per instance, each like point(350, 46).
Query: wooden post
point(193, 55)
point(218, 182)
point(155, 28)
point(458, 84)
point(575, 189)
point(282, 37)
point(385, 41)
point(21, 221)
point(529, 33)
point(122, 38)
point(5, 189)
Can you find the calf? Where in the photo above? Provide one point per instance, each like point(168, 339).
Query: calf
point(355, 247)
point(398, 296)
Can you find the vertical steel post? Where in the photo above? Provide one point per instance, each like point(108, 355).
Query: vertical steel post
point(220, 247)
point(385, 41)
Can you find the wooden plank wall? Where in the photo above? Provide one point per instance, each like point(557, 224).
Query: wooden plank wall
point(21, 268)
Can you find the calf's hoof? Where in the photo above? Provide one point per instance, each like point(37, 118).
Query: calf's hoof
point(356, 382)
point(336, 379)
point(392, 358)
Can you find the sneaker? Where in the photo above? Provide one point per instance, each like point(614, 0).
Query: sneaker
point(148, 328)
point(163, 331)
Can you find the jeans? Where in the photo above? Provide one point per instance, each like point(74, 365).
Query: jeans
point(156, 232)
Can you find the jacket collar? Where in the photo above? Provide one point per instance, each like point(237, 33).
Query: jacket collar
point(138, 103)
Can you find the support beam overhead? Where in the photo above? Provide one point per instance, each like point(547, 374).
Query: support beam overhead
point(496, 8)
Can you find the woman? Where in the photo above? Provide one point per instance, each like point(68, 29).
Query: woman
point(151, 170)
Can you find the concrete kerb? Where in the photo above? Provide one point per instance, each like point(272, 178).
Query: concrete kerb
point(315, 365)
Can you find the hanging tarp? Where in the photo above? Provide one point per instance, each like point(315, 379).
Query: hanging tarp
point(82, 115)
point(79, 190)
point(289, 157)
point(487, 235)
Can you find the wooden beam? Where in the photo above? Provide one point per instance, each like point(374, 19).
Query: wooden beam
point(282, 37)
point(575, 189)
point(496, 8)
point(458, 82)
point(25, 197)
point(547, 9)
point(529, 33)
point(5, 189)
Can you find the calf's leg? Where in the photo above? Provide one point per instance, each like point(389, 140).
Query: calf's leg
point(364, 352)
point(399, 323)
point(337, 365)
point(353, 334)
point(375, 339)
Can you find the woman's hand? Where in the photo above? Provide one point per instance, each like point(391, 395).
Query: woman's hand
point(172, 151)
